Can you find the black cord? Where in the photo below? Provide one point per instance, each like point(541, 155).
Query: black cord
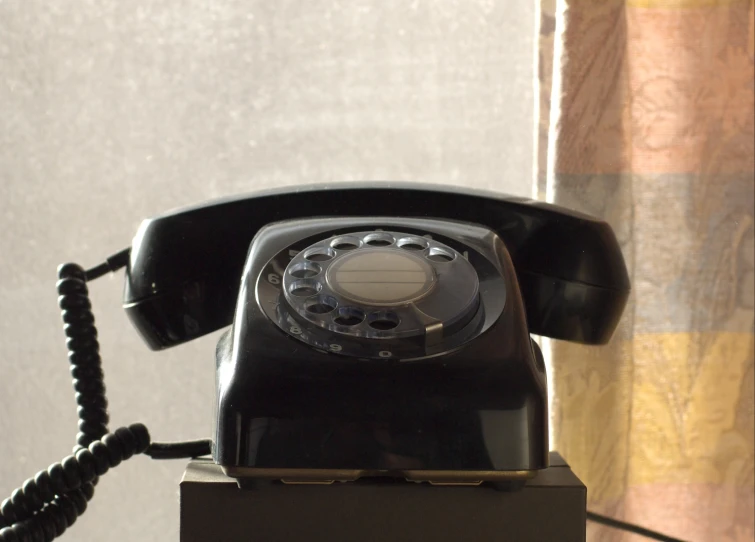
point(630, 527)
point(50, 502)
point(83, 352)
point(179, 450)
point(46, 505)
point(115, 262)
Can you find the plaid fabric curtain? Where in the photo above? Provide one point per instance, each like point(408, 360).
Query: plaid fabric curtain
point(646, 119)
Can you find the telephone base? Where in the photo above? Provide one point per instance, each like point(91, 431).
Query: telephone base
point(550, 506)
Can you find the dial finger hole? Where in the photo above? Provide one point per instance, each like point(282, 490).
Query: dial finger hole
point(413, 243)
point(320, 254)
point(441, 255)
point(304, 270)
point(321, 305)
point(349, 316)
point(304, 288)
point(379, 239)
point(383, 320)
point(347, 242)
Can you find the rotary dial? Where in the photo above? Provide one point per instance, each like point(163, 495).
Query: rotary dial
point(382, 285)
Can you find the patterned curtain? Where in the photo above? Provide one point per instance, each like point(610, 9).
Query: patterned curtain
point(646, 119)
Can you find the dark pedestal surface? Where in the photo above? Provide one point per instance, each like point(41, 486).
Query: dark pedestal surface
point(550, 508)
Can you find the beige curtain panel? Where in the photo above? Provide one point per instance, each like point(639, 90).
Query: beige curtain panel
point(646, 119)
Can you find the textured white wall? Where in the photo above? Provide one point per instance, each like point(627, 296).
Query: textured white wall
point(112, 111)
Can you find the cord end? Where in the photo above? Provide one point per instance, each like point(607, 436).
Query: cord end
point(110, 265)
point(179, 450)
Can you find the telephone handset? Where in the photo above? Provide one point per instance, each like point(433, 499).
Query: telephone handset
point(378, 329)
point(183, 277)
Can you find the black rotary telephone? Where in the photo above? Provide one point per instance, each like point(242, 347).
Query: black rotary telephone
point(378, 329)
point(375, 330)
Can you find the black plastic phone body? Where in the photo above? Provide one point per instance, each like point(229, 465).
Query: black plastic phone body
point(290, 408)
point(183, 276)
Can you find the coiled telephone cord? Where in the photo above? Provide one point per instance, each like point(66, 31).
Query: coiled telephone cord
point(50, 502)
